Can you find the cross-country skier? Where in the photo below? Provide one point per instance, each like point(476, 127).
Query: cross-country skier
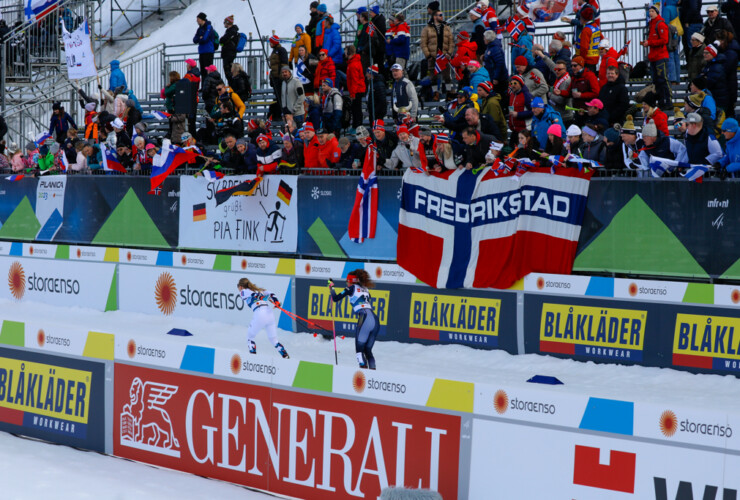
point(258, 299)
point(358, 282)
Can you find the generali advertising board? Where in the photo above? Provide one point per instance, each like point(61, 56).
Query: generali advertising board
point(297, 444)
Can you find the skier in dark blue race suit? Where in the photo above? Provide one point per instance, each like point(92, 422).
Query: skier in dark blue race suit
point(358, 283)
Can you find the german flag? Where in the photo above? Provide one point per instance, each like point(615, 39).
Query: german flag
point(285, 192)
point(246, 188)
point(199, 212)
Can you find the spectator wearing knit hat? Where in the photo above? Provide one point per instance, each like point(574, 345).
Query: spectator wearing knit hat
point(490, 105)
point(409, 152)
point(520, 108)
point(584, 87)
point(228, 42)
point(695, 56)
point(331, 113)
point(301, 39)
point(714, 75)
point(652, 112)
point(204, 38)
point(656, 144)
point(313, 22)
point(465, 51)
point(325, 69)
point(533, 78)
point(478, 74)
point(544, 118)
point(730, 161)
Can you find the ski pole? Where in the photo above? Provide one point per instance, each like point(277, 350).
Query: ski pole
point(333, 330)
point(311, 324)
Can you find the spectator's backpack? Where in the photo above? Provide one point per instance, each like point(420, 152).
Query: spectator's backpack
point(347, 111)
point(673, 38)
point(216, 39)
point(241, 43)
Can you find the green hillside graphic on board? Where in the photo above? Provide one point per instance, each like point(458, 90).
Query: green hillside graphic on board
point(637, 241)
point(130, 224)
point(22, 223)
point(733, 272)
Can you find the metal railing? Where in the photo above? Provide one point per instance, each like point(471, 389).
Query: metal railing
point(134, 13)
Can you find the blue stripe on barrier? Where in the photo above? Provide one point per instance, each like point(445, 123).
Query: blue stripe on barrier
point(609, 415)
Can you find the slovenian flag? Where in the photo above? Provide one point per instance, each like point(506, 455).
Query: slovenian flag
point(110, 160)
point(41, 138)
point(16, 177)
point(212, 175)
point(64, 161)
point(167, 160)
point(364, 217)
point(161, 115)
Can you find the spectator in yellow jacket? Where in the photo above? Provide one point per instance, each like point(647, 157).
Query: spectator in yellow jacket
point(301, 40)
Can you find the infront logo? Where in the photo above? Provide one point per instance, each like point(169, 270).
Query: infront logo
point(668, 423)
point(500, 401)
point(359, 382)
point(235, 364)
point(165, 293)
point(145, 423)
point(17, 280)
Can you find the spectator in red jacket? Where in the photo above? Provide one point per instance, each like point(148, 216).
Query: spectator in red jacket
point(310, 146)
point(651, 112)
point(464, 53)
point(584, 87)
point(325, 69)
point(607, 52)
point(329, 152)
point(657, 41)
point(355, 85)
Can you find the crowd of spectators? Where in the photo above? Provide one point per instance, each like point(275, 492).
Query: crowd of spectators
point(555, 106)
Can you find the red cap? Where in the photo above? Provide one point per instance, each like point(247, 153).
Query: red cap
point(463, 35)
point(263, 137)
point(521, 61)
point(379, 125)
point(487, 86)
point(308, 126)
point(518, 79)
point(402, 128)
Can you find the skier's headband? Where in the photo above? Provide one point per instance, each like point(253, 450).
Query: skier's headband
point(352, 279)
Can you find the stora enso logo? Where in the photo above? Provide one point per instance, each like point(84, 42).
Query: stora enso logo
point(359, 382)
point(500, 401)
point(668, 423)
point(17, 280)
point(145, 423)
point(165, 293)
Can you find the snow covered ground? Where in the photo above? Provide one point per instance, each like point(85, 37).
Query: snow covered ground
point(455, 362)
point(33, 469)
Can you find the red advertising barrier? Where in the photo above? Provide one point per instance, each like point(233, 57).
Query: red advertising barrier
point(290, 443)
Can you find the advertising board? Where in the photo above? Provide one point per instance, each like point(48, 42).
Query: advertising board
point(290, 443)
point(59, 282)
point(264, 222)
point(192, 293)
point(53, 398)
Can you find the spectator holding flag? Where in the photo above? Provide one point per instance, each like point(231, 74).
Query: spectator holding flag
point(408, 153)
point(702, 147)
point(436, 38)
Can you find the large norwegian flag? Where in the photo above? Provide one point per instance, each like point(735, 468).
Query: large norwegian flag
point(364, 216)
point(490, 230)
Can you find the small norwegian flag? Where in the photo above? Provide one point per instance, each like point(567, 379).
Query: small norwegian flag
point(441, 62)
point(515, 27)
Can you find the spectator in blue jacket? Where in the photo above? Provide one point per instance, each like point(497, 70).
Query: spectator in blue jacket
point(523, 47)
point(714, 75)
point(730, 162)
point(60, 122)
point(494, 61)
point(399, 40)
point(478, 73)
point(205, 39)
point(117, 78)
point(544, 117)
point(333, 41)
